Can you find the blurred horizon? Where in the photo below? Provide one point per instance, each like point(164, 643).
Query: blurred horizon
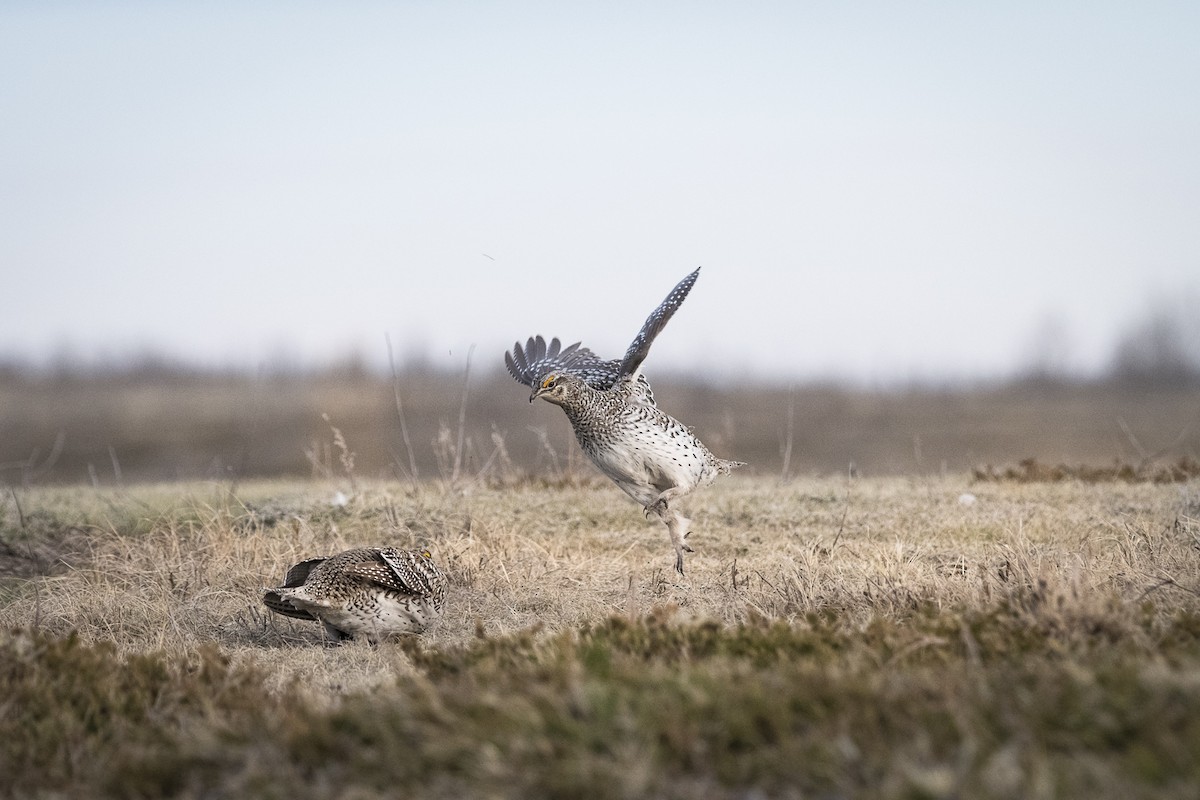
point(160, 422)
point(1162, 348)
point(877, 194)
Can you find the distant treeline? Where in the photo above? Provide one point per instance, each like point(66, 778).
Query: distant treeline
point(178, 424)
point(1161, 349)
point(154, 418)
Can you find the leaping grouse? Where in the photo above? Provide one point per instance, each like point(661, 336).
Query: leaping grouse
point(648, 453)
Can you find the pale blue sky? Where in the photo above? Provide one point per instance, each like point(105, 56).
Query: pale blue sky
point(875, 190)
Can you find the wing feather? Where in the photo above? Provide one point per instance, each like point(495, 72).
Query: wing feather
point(640, 347)
point(402, 565)
point(532, 362)
point(298, 574)
point(377, 574)
point(511, 365)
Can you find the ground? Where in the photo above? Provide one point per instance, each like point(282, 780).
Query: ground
point(833, 637)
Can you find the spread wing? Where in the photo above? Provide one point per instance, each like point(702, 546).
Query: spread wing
point(533, 362)
point(654, 324)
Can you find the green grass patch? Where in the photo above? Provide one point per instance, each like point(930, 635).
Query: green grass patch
point(937, 705)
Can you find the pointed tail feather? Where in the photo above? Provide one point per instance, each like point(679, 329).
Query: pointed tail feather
point(727, 467)
point(277, 603)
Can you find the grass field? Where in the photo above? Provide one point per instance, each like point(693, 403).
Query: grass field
point(834, 637)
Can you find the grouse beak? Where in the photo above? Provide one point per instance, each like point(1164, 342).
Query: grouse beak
point(538, 391)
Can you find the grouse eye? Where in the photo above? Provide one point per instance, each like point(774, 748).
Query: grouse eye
point(427, 554)
point(550, 381)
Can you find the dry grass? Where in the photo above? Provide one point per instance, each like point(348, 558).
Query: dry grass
point(1148, 470)
point(833, 583)
point(173, 567)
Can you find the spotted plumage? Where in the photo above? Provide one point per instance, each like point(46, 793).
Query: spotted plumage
point(374, 592)
point(532, 363)
point(649, 454)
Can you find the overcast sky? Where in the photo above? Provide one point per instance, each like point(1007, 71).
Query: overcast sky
point(874, 190)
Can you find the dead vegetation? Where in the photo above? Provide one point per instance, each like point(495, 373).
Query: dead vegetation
point(835, 637)
point(1030, 470)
